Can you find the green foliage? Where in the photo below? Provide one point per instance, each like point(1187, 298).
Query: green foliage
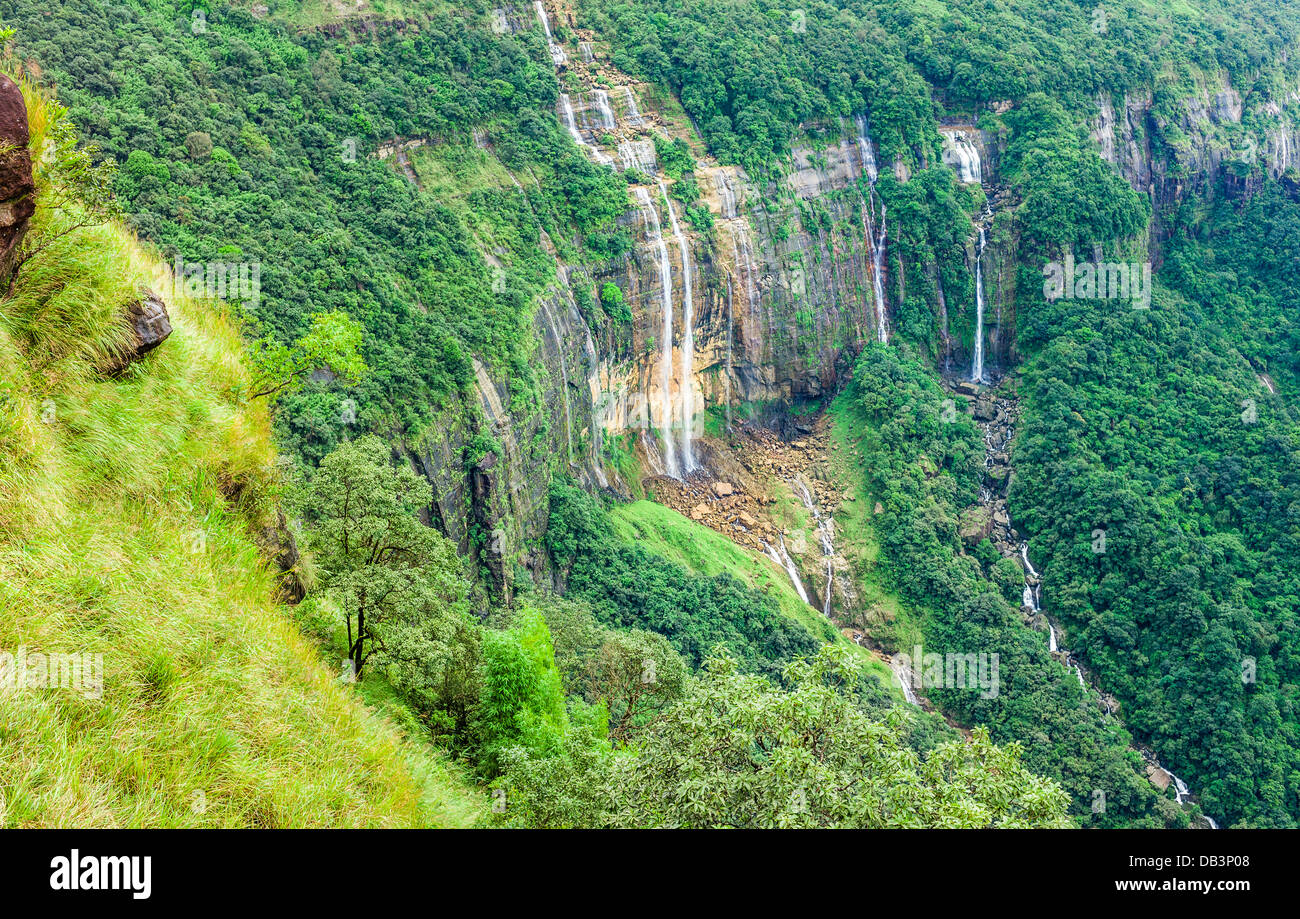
point(760, 756)
point(398, 583)
point(265, 137)
point(924, 470)
point(629, 586)
point(612, 302)
point(333, 342)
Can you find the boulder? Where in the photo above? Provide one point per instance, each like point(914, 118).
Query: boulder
point(149, 327)
point(17, 189)
point(975, 525)
point(723, 489)
point(985, 409)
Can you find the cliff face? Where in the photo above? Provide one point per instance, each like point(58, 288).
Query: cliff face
point(777, 285)
point(1169, 150)
point(741, 295)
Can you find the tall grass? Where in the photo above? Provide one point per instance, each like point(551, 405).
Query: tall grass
point(128, 508)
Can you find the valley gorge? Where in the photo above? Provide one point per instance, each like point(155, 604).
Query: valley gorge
point(699, 368)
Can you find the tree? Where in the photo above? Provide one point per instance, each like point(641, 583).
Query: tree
point(394, 579)
point(333, 341)
point(737, 751)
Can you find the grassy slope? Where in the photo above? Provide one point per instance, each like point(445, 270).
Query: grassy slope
point(855, 535)
point(126, 512)
point(703, 551)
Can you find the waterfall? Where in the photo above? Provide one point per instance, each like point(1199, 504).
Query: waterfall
point(566, 108)
point(688, 339)
point(960, 152)
point(633, 116)
point(903, 675)
point(558, 56)
point(1024, 554)
point(876, 243)
point(825, 533)
point(731, 323)
point(606, 111)
point(638, 154)
point(1051, 637)
point(584, 48)
point(666, 343)
point(977, 363)
point(783, 559)
point(570, 122)
point(726, 194)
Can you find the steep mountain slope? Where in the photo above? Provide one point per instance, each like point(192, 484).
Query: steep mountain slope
point(132, 504)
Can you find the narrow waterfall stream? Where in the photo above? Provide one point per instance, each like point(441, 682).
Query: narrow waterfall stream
point(996, 414)
point(688, 339)
point(977, 362)
point(605, 110)
point(782, 558)
point(651, 218)
point(564, 376)
point(558, 56)
point(633, 116)
point(875, 242)
point(825, 532)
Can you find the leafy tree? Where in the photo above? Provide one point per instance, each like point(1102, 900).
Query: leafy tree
point(399, 585)
point(333, 342)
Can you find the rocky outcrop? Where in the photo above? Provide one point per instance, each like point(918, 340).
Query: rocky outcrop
point(148, 326)
point(17, 188)
point(1216, 133)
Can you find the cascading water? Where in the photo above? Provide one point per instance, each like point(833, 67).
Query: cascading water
point(726, 195)
point(688, 339)
point(875, 242)
point(606, 111)
point(637, 154)
point(571, 122)
point(960, 152)
point(827, 537)
point(782, 558)
point(564, 377)
point(904, 677)
point(558, 56)
point(651, 218)
point(633, 116)
point(977, 362)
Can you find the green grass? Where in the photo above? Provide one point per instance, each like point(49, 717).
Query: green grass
point(889, 621)
point(128, 513)
point(706, 552)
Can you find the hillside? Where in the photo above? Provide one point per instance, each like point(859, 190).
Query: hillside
point(130, 511)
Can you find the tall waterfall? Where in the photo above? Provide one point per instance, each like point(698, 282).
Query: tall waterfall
point(570, 122)
point(638, 154)
point(688, 339)
point(960, 153)
point(875, 242)
point(977, 362)
point(558, 56)
point(726, 194)
point(564, 376)
point(826, 533)
point(651, 217)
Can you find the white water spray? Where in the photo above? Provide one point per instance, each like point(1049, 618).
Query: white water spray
point(688, 339)
point(651, 218)
point(558, 56)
